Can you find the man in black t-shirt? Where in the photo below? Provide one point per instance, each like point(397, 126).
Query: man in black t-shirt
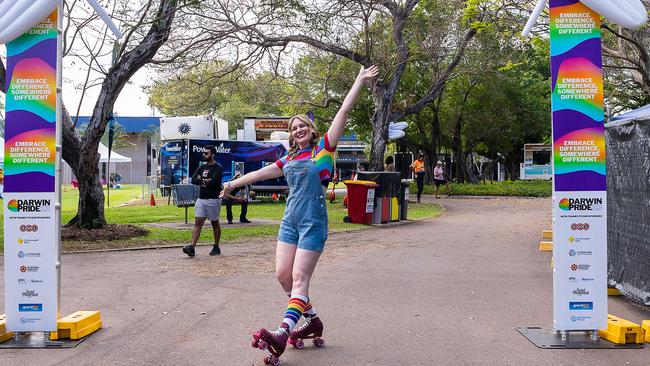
point(208, 177)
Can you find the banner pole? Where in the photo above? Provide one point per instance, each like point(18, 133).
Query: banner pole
point(57, 176)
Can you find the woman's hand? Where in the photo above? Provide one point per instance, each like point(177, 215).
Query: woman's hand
point(367, 74)
point(226, 190)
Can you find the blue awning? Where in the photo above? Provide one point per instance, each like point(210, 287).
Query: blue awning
point(130, 124)
point(637, 114)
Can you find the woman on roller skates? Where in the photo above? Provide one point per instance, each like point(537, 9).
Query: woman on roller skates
point(303, 230)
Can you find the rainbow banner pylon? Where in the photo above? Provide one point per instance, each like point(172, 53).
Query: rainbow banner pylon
point(579, 170)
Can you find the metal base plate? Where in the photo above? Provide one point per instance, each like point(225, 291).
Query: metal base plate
point(38, 340)
point(547, 339)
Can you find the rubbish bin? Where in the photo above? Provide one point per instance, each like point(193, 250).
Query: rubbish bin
point(361, 201)
point(389, 187)
point(404, 198)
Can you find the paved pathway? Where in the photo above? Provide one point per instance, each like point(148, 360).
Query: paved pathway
point(448, 291)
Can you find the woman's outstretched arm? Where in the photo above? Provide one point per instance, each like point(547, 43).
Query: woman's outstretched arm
point(268, 172)
point(340, 120)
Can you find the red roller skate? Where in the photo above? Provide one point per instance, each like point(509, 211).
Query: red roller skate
point(312, 328)
point(274, 342)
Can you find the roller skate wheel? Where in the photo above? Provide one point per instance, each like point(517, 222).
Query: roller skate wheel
point(262, 345)
point(254, 343)
point(319, 342)
point(271, 360)
point(299, 344)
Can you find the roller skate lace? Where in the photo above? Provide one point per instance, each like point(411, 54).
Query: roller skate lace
point(304, 326)
point(280, 332)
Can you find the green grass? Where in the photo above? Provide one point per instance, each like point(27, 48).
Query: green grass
point(142, 215)
point(518, 188)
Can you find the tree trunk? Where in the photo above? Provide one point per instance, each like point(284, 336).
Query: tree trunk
point(81, 152)
point(91, 196)
point(459, 156)
point(85, 166)
point(379, 124)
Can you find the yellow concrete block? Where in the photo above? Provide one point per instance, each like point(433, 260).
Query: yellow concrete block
point(4, 335)
point(551, 262)
point(77, 325)
point(545, 246)
point(547, 235)
point(611, 291)
point(621, 331)
point(645, 325)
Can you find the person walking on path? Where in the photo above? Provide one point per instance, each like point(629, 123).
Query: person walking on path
point(303, 230)
point(236, 195)
point(208, 177)
point(439, 178)
point(418, 170)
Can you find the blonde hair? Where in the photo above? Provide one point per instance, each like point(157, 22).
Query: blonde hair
point(293, 146)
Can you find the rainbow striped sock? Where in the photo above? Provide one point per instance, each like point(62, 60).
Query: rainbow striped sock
point(309, 309)
point(295, 308)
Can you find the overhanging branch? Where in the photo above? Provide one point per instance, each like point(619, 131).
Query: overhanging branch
point(438, 86)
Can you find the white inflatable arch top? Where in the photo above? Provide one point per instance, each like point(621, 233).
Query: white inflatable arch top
point(627, 13)
point(18, 16)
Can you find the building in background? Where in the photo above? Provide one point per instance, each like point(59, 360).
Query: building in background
point(537, 162)
point(350, 154)
point(261, 128)
point(140, 142)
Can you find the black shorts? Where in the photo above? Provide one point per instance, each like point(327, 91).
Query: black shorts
point(439, 182)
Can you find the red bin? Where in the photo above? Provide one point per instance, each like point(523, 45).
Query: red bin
point(361, 200)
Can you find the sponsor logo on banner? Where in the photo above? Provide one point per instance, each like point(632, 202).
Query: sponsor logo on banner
point(573, 252)
point(29, 320)
point(28, 228)
point(576, 318)
point(581, 292)
point(22, 241)
point(580, 227)
point(581, 305)
point(22, 254)
point(220, 149)
point(586, 279)
point(581, 204)
point(24, 308)
point(580, 267)
point(24, 269)
point(573, 279)
point(18, 205)
point(30, 293)
point(573, 239)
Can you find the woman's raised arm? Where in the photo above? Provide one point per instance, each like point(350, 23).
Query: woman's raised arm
point(340, 120)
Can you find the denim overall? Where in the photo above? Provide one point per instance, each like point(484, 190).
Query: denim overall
point(305, 217)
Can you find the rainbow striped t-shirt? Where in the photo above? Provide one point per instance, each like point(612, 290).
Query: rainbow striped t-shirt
point(324, 158)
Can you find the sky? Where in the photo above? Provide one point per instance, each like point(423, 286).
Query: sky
point(131, 102)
